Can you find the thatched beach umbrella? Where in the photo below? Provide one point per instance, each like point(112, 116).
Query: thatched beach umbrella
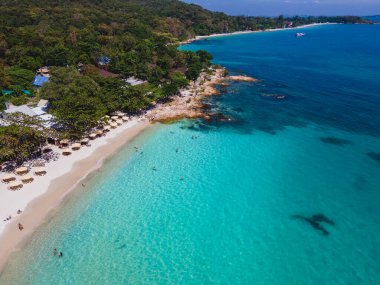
point(107, 128)
point(99, 133)
point(119, 122)
point(22, 170)
point(8, 178)
point(66, 152)
point(114, 118)
point(27, 178)
point(47, 149)
point(113, 125)
point(39, 171)
point(119, 114)
point(15, 185)
point(124, 118)
point(93, 136)
point(76, 146)
point(84, 141)
point(64, 142)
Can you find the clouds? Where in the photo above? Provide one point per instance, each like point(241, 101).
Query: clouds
point(292, 7)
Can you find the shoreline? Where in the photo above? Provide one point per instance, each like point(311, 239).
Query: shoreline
point(189, 104)
point(47, 193)
point(43, 198)
point(199, 38)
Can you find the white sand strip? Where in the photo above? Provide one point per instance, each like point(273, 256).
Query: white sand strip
point(38, 198)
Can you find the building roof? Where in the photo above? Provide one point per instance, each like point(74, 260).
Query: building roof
point(39, 111)
point(43, 103)
point(134, 81)
point(40, 80)
point(21, 109)
point(104, 60)
point(106, 73)
point(7, 92)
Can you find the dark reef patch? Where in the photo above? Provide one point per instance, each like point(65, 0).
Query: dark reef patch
point(335, 141)
point(359, 183)
point(316, 221)
point(374, 155)
point(237, 109)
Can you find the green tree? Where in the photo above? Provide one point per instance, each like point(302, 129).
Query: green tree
point(76, 101)
point(23, 136)
point(20, 76)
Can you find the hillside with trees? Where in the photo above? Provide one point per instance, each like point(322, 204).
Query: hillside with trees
point(138, 37)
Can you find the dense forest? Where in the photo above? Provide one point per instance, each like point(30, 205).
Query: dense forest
point(138, 37)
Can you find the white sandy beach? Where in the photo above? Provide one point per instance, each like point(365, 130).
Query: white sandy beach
point(197, 38)
point(12, 201)
point(44, 194)
point(42, 198)
point(37, 199)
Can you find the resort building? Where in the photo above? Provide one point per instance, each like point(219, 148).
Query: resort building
point(37, 111)
point(42, 76)
point(104, 60)
point(134, 81)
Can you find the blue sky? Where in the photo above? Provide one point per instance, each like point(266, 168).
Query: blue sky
point(292, 7)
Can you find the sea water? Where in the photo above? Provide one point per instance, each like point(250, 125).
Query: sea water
point(285, 192)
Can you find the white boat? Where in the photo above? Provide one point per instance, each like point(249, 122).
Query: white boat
point(298, 35)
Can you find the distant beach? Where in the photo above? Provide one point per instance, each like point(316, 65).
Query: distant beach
point(198, 38)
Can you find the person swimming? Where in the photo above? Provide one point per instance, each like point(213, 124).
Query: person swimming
point(55, 251)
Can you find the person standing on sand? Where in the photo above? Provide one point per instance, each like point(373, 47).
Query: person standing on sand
point(20, 227)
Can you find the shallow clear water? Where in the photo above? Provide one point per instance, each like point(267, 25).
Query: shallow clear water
point(242, 214)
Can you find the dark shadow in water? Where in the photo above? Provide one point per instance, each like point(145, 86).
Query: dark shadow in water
point(374, 155)
point(272, 107)
point(335, 141)
point(360, 183)
point(248, 111)
point(237, 109)
point(316, 222)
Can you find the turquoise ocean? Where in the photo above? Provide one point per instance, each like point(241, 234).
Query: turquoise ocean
point(286, 192)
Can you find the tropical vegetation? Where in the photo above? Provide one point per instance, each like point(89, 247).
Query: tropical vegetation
point(138, 37)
